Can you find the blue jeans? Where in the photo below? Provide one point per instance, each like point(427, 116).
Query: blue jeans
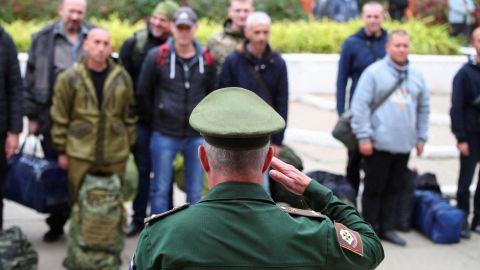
point(163, 149)
point(141, 152)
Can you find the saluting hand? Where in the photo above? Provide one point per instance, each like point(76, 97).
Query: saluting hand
point(292, 179)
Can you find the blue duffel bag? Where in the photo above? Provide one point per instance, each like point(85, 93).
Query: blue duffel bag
point(436, 218)
point(37, 183)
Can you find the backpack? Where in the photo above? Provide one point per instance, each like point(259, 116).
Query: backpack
point(16, 252)
point(141, 38)
point(97, 225)
point(427, 181)
point(339, 185)
point(164, 53)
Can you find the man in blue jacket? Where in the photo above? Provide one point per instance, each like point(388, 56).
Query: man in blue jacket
point(387, 135)
point(358, 52)
point(255, 66)
point(465, 114)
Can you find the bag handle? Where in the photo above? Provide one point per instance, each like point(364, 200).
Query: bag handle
point(35, 147)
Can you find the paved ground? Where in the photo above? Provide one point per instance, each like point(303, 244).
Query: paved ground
point(325, 154)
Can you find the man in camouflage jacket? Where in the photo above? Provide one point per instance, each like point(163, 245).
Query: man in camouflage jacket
point(223, 43)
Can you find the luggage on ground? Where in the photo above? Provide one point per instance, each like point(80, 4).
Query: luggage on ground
point(16, 252)
point(427, 181)
point(37, 183)
point(436, 218)
point(96, 233)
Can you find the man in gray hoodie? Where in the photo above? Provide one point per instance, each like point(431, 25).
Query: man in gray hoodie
point(387, 135)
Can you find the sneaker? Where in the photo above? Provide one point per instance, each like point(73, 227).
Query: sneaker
point(476, 224)
point(52, 235)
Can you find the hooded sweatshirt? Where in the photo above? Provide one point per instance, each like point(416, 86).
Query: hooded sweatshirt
point(355, 56)
point(402, 120)
point(170, 87)
point(466, 88)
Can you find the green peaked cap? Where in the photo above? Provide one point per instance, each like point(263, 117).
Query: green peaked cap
point(235, 118)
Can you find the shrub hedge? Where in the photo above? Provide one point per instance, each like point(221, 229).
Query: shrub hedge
point(286, 36)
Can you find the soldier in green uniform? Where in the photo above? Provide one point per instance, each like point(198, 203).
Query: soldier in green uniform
point(237, 225)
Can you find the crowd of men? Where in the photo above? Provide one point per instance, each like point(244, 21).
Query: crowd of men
point(161, 99)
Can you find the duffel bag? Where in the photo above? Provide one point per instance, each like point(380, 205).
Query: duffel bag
point(436, 218)
point(37, 183)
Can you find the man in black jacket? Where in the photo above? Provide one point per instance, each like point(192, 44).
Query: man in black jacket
point(54, 48)
point(173, 80)
point(11, 99)
point(132, 54)
point(465, 115)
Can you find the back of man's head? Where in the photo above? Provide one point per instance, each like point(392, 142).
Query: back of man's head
point(246, 163)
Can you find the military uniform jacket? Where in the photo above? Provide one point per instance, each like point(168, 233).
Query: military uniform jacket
point(237, 226)
point(85, 130)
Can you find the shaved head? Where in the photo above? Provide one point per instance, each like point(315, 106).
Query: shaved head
point(98, 47)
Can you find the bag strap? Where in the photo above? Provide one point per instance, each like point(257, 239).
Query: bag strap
point(261, 82)
point(384, 98)
point(372, 50)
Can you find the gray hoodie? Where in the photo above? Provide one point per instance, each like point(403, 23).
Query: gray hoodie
point(402, 120)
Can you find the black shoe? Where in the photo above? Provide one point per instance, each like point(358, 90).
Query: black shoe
point(392, 237)
point(134, 228)
point(52, 235)
point(476, 224)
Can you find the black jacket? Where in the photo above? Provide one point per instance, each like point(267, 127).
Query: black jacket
point(237, 71)
point(132, 54)
point(465, 118)
point(40, 77)
point(11, 88)
point(169, 88)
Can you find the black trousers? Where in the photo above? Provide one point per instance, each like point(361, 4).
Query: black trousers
point(384, 181)
point(3, 174)
point(461, 29)
point(353, 169)
point(467, 169)
point(58, 217)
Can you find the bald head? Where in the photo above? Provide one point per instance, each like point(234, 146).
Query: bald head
point(98, 47)
point(72, 13)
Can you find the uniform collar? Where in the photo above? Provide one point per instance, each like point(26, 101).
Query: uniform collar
point(237, 191)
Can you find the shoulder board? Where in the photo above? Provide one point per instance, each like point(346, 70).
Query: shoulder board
point(349, 239)
point(302, 212)
point(166, 213)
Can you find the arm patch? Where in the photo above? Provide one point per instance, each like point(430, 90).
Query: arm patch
point(349, 239)
point(156, 217)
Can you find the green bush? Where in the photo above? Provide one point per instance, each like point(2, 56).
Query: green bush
point(287, 37)
point(135, 10)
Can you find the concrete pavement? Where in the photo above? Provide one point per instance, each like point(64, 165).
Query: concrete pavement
point(317, 154)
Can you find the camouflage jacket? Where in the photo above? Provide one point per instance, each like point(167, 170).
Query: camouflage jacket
point(85, 130)
point(222, 44)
